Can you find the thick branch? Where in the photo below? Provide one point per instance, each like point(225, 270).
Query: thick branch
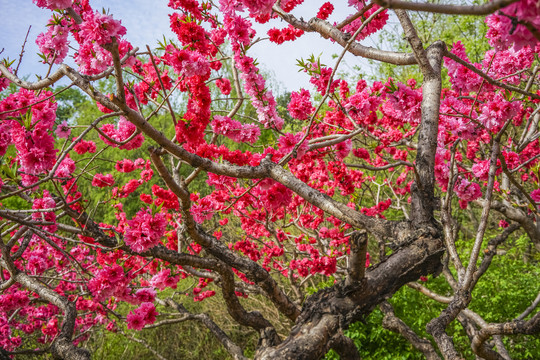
point(529, 327)
point(423, 203)
point(485, 9)
point(330, 309)
point(358, 242)
point(328, 31)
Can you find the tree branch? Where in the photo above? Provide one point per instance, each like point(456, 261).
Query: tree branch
point(395, 324)
point(484, 9)
point(358, 242)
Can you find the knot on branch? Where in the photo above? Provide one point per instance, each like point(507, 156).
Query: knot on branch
point(357, 257)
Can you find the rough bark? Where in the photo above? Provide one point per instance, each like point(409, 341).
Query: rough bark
point(334, 308)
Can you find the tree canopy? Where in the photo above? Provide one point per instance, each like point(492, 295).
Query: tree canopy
point(168, 186)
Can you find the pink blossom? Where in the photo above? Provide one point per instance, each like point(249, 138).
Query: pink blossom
point(279, 36)
point(535, 195)
point(66, 168)
point(135, 321)
point(125, 166)
point(462, 79)
point(404, 104)
point(4, 81)
point(46, 202)
point(63, 130)
point(5, 136)
point(498, 111)
point(148, 311)
point(275, 197)
point(53, 4)
point(146, 295)
point(300, 106)
point(235, 130)
point(375, 25)
point(505, 32)
point(481, 170)
point(121, 133)
point(36, 151)
point(83, 147)
point(224, 85)
point(343, 149)
point(54, 43)
point(202, 210)
point(466, 190)
point(101, 180)
point(362, 104)
point(203, 295)
point(100, 28)
point(163, 280)
point(187, 63)
point(288, 141)
point(144, 230)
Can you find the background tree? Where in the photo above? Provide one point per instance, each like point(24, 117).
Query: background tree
point(189, 183)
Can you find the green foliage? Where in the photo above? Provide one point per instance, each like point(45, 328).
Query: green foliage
point(505, 291)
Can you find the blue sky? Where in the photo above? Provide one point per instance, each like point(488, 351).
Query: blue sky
point(147, 22)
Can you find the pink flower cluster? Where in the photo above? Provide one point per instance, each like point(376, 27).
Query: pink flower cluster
point(84, 146)
point(373, 26)
point(288, 141)
point(240, 32)
point(320, 78)
point(101, 180)
point(466, 190)
point(107, 282)
point(505, 29)
point(535, 195)
point(186, 63)
point(202, 209)
point(362, 104)
point(502, 64)
point(163, 280)
point(32, 137)
point(404, 103)
point(325, 11)
point(120, 134)
point(498, 111)
point(53, 4)
point(275, 197)
point(144, 314)
point(454, 122)
point(46, 202)
point(300, 106)
point(224, 85)
point(125, 166)
point(144, 230)
point(261, 99)
point(235, 130)
point(100, 28)
point(256, 7)
point(54, 43)
point(462, 79)
point(290, 33)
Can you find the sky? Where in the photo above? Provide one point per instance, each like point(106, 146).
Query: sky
point(147, 22)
